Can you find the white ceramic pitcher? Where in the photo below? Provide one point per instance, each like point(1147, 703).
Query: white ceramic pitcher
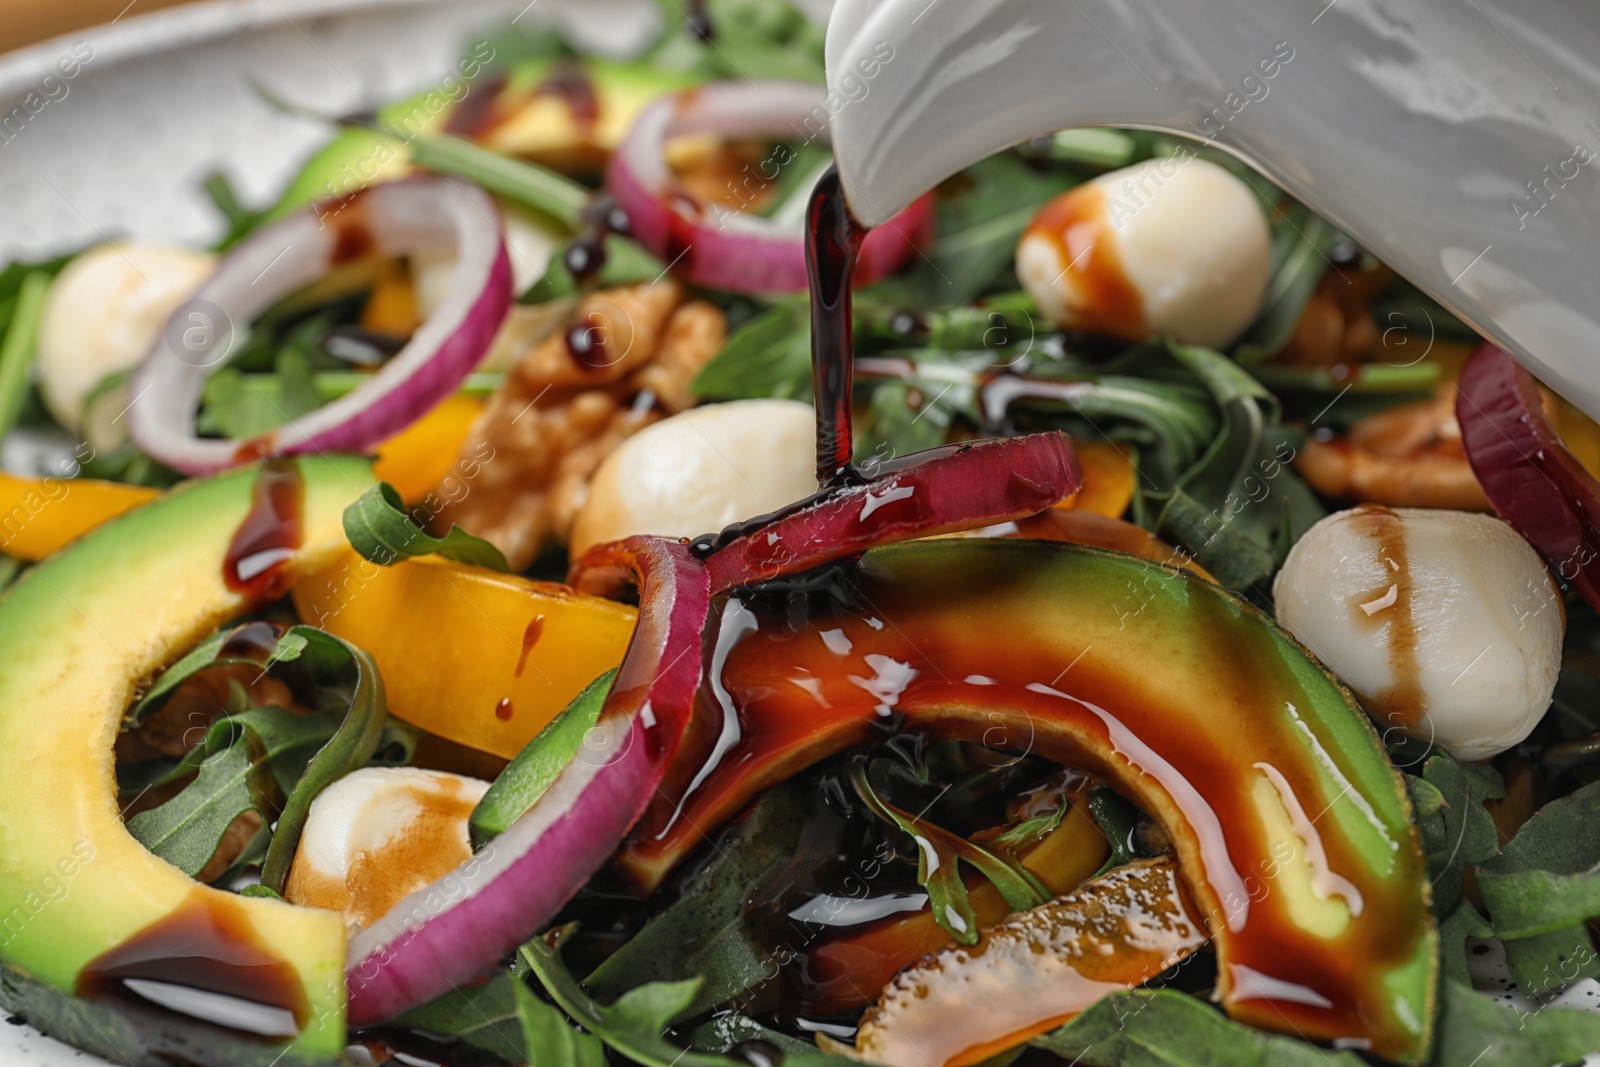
point(1458, 140)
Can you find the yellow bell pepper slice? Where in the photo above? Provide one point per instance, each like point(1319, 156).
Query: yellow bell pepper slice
point(39, 515)
point(1107, 479)
point(392, 307)
point(479, 658)
point(418, 458)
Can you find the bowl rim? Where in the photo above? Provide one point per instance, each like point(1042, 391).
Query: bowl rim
point(169, 29)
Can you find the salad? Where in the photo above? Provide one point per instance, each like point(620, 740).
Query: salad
point(553, 589)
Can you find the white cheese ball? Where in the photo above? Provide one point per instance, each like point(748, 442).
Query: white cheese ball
point(103, 313)
point(1445, 623)
point(700, 470)
point(1184, 238)
point(379, 834)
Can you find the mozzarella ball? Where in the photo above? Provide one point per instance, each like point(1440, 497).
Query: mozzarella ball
point(1445, 623)
point(103, 313)
point(379, 834)
point(1170, 246)
point(698, 471)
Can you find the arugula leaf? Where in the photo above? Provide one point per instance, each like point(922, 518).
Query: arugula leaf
point(769, 356)
point(484, 1016)
point(725, 1031)
point(1163, 1028)
point(1454, 930)
point(1326, 400)
point(242, 406)
point(1234, 558)
point(750, 38)
point(976, 234)
point(1476, 1031)
point(1406, 382)
point(16, 273)
point(1300, 243)
point(250, 758)
point(1557, 841)
point(240, 220)
point(939, 869)
point(905, 417)
point(1413, 313)
point(519, 43)
point(550, 1040)
point(1457, 831)
point(22, 287)
point(185, 830)
point(381, 530)
point(261, 891)
point(540, 762)
point(706, 933)
point(1145, 395)
point(634, 1025)
point(1258, 506)
point(350, 747)
point(1542, 889)
point(518, 180)
point(1117, 819)
point(17, 350)
point(209, 653)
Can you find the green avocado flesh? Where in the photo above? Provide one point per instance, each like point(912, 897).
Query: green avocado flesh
point(1291, 827)
point(524, 118)
point(95, 932)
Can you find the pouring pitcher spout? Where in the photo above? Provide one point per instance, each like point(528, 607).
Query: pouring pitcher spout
point(1459, 145)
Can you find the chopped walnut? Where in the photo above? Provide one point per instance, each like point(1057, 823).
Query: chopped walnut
point(181, 723)
point(235, 840)
point(625, 360)
point(1408, 456)
point(1337, 325)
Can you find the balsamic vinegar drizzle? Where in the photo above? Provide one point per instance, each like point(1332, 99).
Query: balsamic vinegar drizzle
point(175, 969)
point(1405, 702)
point(269, 536)
point(833, 243)
point(585, 258)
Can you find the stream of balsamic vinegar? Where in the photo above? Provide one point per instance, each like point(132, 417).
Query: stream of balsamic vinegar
point(833, 244)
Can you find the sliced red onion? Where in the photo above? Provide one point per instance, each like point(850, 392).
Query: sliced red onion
point(1534, 483)
point(943, 490)
point(459, 927)
point(418, 215)
point(721, 247)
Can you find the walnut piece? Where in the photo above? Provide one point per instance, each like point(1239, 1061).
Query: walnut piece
point(624, 362)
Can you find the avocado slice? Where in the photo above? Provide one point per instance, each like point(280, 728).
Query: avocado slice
point(96, 932)
point(1292, 829)
point(514, 111)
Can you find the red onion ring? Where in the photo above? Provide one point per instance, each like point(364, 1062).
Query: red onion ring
point(720, 247)
point(1530, 477)
point(460, 926)
point(419, 214)
point(943, 490)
